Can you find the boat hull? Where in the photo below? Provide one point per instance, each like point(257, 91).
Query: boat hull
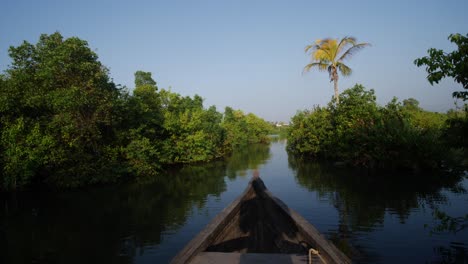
point(259, 225)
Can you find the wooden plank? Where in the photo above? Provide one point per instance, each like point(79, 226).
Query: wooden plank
point(210, 232)
point(326, 248)
point(256, 222)
point(252, 258)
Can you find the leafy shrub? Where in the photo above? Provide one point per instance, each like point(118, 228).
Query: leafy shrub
point(361, 133)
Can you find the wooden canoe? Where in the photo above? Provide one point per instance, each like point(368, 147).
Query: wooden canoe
point(259, 228)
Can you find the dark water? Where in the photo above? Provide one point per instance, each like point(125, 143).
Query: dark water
point(373, 219)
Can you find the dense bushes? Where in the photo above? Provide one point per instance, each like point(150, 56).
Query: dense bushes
point(244, 129)
point(361, 133)
point(310, 132)
point(57, 114)
point(398, 136)
point(63, 121)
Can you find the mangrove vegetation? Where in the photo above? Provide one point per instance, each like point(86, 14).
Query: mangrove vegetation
point(65, 123)
point(353, 129)
point(361, 133)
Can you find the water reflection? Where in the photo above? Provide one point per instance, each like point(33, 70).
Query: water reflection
point(113, 223)
point(102, 225)
point(362, 200)
point(149, 222)
point(456, 253)
point(243, 159)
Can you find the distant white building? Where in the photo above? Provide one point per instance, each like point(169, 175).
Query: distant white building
point(281, 124)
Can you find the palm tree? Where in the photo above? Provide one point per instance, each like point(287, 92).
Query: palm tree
point(329, 54)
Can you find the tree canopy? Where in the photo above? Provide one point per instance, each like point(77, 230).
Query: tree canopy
point(144, 78)
point(65, 123)
point(361, 133)
point(440, 64)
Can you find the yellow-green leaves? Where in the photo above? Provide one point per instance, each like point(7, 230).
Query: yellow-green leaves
point(329, 54)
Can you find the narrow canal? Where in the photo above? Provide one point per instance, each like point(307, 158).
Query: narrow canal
point(373, 219)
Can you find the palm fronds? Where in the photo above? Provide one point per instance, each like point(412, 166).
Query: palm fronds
point(322, 66)
point(351, 51)
point(327, 55)
point(344, 69)
point(329, 51)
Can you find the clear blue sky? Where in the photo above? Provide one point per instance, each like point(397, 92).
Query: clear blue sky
point(250, 54)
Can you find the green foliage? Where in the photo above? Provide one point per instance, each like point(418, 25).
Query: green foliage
point(440, 64)
point(310, 132)
point(353, 120)
point(427, 120)
point(144, 78)
point(242, 129)
point(192, 133)
point(411, 104)
point(25, 152)
point(65, 123)
point(457, 128)
point(454, 134)
point(361, 133)
point(142, 157)
point(57, 113)
point(258, 129)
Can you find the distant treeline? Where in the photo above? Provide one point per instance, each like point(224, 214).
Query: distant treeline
point(64, 122)
point(399, 135)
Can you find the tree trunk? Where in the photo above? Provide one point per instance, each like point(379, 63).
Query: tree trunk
point(335, 82)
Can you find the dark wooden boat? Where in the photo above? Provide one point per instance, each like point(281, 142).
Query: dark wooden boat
point(259, 228)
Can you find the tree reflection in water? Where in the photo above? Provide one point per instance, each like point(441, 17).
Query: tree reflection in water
point(362, 199)
point(113, 224)
point(105, 224)
point(139, 222)
point(247, 158)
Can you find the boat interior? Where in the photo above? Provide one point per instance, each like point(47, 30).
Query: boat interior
point(259, 225)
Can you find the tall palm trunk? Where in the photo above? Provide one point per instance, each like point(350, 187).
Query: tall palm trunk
point(337, 98)
point(334, 77)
